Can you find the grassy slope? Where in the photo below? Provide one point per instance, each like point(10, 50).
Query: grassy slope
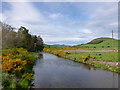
point(103, 45)
point(99, 40)
point(55, 46)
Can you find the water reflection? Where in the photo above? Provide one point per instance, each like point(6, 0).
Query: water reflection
point(54, 72)
point(88, 67)
point(40, 55)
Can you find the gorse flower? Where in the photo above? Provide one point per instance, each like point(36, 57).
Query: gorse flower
point(58, 52)
point(15, 59)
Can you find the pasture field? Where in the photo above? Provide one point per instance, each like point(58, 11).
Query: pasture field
point(101, 56)
point(110, 44)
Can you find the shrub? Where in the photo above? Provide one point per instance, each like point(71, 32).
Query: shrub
point(94, 57)
point(23, 84)
point(17, 64)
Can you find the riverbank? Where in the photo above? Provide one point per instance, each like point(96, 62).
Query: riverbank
point(105, 60)
point(17, 65)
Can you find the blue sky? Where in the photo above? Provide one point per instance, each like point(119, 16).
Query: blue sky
point(67, 23)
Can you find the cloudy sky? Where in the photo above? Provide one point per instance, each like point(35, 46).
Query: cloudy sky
point(67, 23)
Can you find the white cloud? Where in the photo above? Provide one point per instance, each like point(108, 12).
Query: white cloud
point(55, 15)
point(87, 31)
point(105, 21)
point(22, 14)
point(0, 16)
point(57, 39)
point(102, 21)
point(114, 24)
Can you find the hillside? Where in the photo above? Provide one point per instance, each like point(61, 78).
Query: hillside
point(100, 43)
point(55, 46)
point(99, 40)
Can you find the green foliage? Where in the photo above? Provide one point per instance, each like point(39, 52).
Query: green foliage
point(20, 39)
point(28, 76)
point(5, 82)
point(28, 41)
point(13, 83)
point(23, 84)
point(21, 74)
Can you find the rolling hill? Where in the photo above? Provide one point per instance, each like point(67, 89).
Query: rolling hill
point(99, 40)
point(100, 43)
point(55, 46)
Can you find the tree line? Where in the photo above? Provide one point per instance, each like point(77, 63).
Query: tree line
point(20, 38)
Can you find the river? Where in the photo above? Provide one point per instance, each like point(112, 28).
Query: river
point(55, 72)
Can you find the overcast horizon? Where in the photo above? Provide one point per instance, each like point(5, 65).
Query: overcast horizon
point(68, 23)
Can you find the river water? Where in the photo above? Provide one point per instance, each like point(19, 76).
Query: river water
point(55, 72)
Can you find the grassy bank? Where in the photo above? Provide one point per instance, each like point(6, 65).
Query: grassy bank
point(17, 64)
point(99, 56)
point(92, 58)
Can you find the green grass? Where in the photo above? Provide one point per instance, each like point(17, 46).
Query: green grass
point(103, 56)
point(76, 57)
point(103, 45)
point(99, 40)
point(106, 67)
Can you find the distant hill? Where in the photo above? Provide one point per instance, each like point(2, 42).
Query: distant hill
point(100, 43)
point(55, 46)
point(99, 40)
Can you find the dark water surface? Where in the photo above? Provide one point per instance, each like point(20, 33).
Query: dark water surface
point(54, 72)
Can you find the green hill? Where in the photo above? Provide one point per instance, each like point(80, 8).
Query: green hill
point(55, 46)
point(99, 40)
point(100, 43)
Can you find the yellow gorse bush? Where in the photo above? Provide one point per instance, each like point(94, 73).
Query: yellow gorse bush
point(15, 59)
point(56, 51)
point(85, 58)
